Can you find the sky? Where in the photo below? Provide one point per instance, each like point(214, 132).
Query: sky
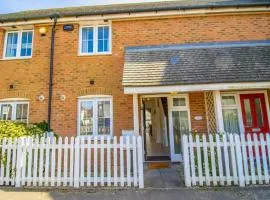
point(8, 6)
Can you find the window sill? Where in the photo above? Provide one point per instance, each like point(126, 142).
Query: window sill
point(16, 58)
point(95, 54)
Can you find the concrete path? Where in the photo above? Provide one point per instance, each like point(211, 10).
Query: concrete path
point(254, 193)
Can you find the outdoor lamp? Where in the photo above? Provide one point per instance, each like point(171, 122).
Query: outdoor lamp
point(43, 31)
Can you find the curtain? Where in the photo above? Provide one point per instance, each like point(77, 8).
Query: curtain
point(230, 119)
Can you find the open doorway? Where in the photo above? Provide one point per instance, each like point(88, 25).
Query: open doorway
point(156, 129)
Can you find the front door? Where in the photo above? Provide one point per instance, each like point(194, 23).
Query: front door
point(254, 113)
point(179, 124)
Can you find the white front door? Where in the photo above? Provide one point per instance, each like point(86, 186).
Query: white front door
point(179, 122)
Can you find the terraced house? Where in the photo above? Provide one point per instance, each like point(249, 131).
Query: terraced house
point(155, 69)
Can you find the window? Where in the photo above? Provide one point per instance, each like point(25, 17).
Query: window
point(180, 120)
point(230, 114)
point(14, 111)
point(95, 40)
point(18, 44)
point(95, 116)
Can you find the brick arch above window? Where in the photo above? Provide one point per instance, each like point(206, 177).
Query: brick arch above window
point(94, 91)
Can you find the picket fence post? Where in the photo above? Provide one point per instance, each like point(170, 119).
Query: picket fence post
point(239, 161)
point(19, 164)
point(140, 162)
point(76, 162)
point(185, 145)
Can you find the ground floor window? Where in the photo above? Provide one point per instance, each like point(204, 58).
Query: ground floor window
point(180, 120)
point(14, 111)
point(230, 113)
point(95, 116)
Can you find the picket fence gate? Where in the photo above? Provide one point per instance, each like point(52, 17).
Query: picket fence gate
point(226, 159)
point(73, 162)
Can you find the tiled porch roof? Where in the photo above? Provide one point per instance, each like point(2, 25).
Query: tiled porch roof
point(200, 63)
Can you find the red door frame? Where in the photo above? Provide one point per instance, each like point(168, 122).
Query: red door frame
point(252, 97)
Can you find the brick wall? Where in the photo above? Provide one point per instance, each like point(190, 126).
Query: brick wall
point(73, 72)
point(197, 108)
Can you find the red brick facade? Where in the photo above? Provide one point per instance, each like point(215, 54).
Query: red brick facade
point(73, 72)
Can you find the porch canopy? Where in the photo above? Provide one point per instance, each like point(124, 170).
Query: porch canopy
point(197, 67)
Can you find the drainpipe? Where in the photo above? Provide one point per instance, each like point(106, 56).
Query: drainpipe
point(54, 17)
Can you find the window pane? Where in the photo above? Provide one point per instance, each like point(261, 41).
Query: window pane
point(248, 113)
point(103, 39)
point(230, 120)
point(87, 45)
point(104, 121)
point(179, 102)
point(228, 100)
point(180, 126)
point(259, 115)
point(11, 44)
point(86, 118)
point(26, 46)
point(6, 112)
point(21, 112)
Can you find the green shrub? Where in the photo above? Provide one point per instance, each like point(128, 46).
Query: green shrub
point(18, 129)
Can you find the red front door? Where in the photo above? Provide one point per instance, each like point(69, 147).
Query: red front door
point(254, 113)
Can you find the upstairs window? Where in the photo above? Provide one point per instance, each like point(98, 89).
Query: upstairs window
point(18, 44)
point(14, 111)
point(95, 40)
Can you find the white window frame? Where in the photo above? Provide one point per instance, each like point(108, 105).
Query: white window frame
point(14, 109)
point(236, 106)
point(177, 157)
point(95, 99)
point(19, 44)
point(95, 39)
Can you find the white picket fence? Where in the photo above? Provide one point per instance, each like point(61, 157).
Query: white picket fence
point(73, 162)
point(226, 159)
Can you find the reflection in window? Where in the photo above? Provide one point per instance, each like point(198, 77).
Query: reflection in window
point(19, 44)
point(86, 118)
point(87, 40)
point(258, 107)
point(103, 39)
point(104, 120)
point(228, 100)
point(95, 116)
point(21, 112)
point(248, 113)
point(179, 102)
point(6, 112)
point(15, 111)
point(180, 126)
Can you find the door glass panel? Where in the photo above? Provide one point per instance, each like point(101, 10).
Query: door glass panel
point(258, 108)
point(179, 102)
point(248, 113)
point(180, 126)
point(228, 100)
point(86, 117)
point(6, 112)
point(230, 120)
point(104, 121)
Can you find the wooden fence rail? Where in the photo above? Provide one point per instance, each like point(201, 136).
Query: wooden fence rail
point(226, 159)
point(73, 162)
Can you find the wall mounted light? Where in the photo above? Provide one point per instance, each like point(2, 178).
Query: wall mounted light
point(63, 97)
point(41, 98)
point(43, 31)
